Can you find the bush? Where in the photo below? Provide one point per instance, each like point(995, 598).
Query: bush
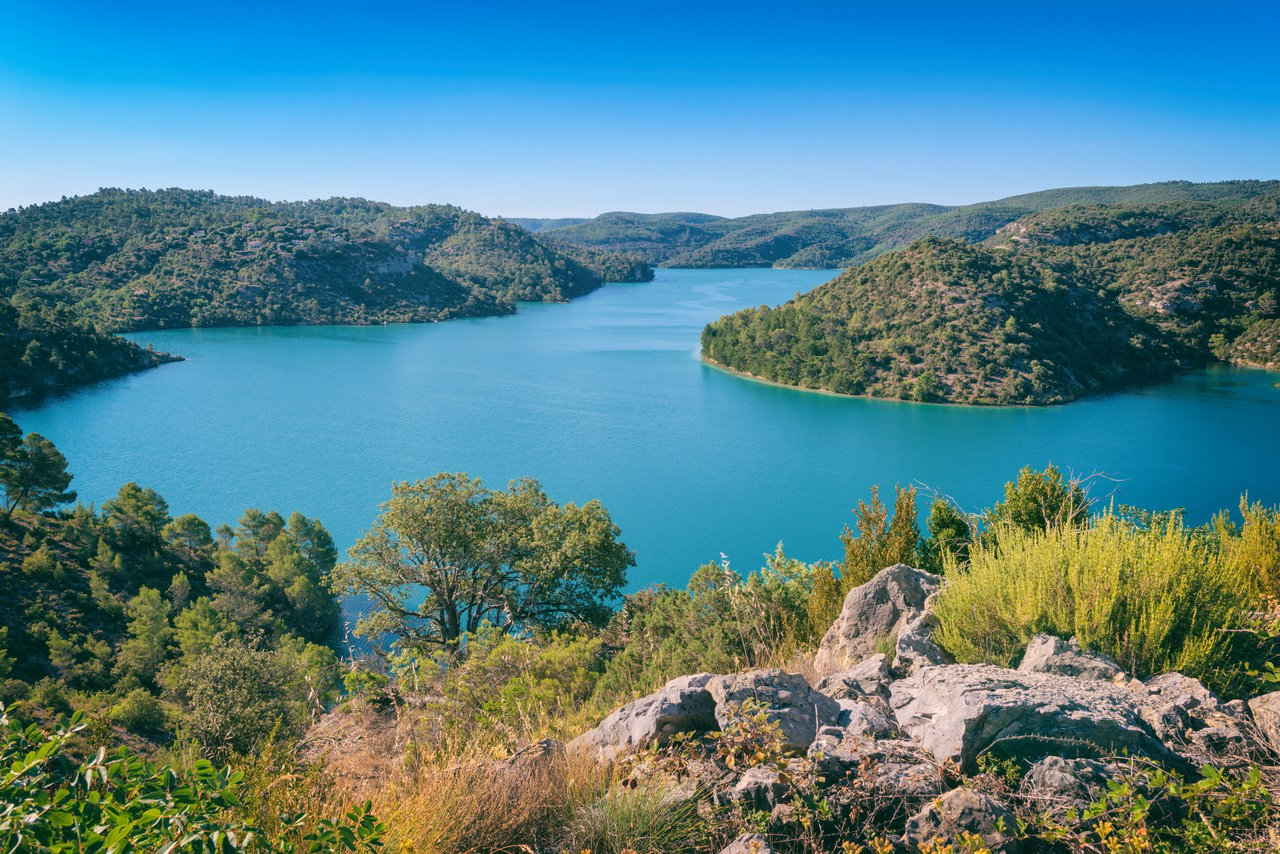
point(139, 712)
point(1156, 600)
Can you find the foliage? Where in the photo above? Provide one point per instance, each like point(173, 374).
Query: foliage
point(448, 556)
point(1039, 500)
point(33, 472)
point(120, 802)
point(1081, 308)
point(1156, 600)
point(118, 610)
point(880, 541)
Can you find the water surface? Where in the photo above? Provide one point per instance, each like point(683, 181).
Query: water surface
point(606, 398)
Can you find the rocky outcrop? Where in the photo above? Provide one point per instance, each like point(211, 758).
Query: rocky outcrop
point(868, 678)
point(874, 614)
point(682, 705)
point(1049, 654)
point(915, 647)
point(958, 712)
point(959, 811)
point(1056, 785)
point(788, 698)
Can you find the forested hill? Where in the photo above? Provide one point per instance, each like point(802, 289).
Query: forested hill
point(1055, 306)
point(135, 259)
point(846, 237)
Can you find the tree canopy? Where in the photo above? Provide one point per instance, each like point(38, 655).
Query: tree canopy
point(448, 556)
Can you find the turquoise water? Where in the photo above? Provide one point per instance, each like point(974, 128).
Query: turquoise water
point(606, 398)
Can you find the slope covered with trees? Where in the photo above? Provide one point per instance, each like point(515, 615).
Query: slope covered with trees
point(845, 237)
point(1058, 305)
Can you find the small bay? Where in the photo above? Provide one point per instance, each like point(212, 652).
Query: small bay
point(606, 398)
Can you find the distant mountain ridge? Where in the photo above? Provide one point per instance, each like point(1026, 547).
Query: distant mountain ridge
point(1059, 304)
point(845, 237)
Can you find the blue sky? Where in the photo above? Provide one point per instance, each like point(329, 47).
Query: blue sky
point(555, 109)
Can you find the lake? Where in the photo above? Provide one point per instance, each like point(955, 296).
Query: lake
point(606, 398)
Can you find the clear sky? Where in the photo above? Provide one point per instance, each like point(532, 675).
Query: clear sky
point(559, 109)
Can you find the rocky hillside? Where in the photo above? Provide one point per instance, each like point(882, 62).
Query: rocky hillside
point(933, 753)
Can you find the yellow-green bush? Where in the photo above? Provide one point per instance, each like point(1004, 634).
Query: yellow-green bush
point(1155, 599)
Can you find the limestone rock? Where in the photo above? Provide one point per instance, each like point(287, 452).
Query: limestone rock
point(870, 717)
point(959, 711)
point(964, 810)
point(1049, 654)
point(1266, 716)
point(790, 700)
point(1057, 785)
point(898, 766)
point(759, 788)
point(1184, 691)
point(869, 677)
point(915, 646)
point(749, 843)
point(874, 613)
point(682, 705)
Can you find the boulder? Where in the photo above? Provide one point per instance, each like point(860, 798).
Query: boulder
point(874, 613)
point(869, 677)
point(788, 698)
point(1049, 654)
point(682, 705)
point(1184, 691)
point(897, 766)
point(958, 712)
point(748, 843)
point(964, 811)
point(1056, 785)
point(1266, 716)
point(915, 647)
point(759, 788)
point(870, 717)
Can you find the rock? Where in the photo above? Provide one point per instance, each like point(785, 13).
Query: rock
point(1266, 716)
point(899, 765)
point(915, 647)
point(1225, 744)
point(1057, 784)
point(1049, 654)
point(964, 810)
point(959, 711)
point(869, 677)
point(1183, 691)
point(874, 613)
point(871, 717)
point(682, 705)
point(788, 697)
point(749, 843)
point(759, 788)
point(1168, 721)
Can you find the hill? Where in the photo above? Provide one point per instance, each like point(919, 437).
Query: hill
point(129, 260)
point(1059, 305)
point(846, 237)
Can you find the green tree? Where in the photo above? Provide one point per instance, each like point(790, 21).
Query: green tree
point(949, 534)
point(1040, 500)
point(879, 541)
point(448, 556)
point(150, 636)
point(34, 476)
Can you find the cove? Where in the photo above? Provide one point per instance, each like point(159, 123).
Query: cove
point(607, 398)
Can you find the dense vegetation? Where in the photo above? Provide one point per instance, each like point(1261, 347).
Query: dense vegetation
point(126, 260)
point(46, 349)
point(188, 644)
point(1061, 304)
point(846, 237)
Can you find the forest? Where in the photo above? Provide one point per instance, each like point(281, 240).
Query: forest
point(1073, 301)
point(846, 237)
point(76, 270)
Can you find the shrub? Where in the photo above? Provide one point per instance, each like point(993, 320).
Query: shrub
point(139, 712)
point(1155, 600)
